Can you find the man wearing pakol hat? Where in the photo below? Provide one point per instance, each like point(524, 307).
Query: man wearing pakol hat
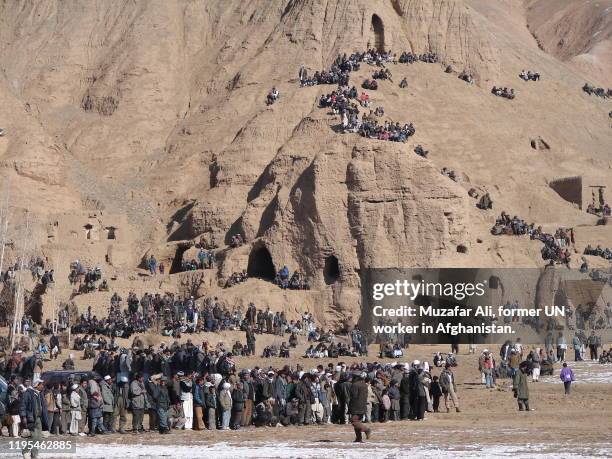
point(108, 403)
point(161, 398)
point(34, 410)
point(122, 402)
point(138, 402)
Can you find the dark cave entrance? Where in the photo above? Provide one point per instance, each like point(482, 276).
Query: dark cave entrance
point(331, 270)
point(379, 33)
point(261, 264)
point(177, 262)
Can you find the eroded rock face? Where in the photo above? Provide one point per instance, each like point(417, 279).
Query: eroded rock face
point(156, 111)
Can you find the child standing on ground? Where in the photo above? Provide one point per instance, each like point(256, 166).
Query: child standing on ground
point(567, 376)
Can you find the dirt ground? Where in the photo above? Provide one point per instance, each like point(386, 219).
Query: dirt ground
point(489, 424)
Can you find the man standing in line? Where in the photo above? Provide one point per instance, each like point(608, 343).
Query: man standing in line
point(108, 403)
point(33, 410)
point(138, 394)
point(161, 398)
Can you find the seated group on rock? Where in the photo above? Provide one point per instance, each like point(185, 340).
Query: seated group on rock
point(297, 281)
point(507, 93)
point(556, 246)
point(341, 68)
point(372, 85)
point(605, 210)
point(383, 74)
point(606, 356)
point(273, 96)
point(340, 100)
point(236, 278)
point(449, 173)
point(510, 226)
point(390, 131)
point(599, 92)
point(598, 252)
point(410, 58)
point(529, 76)
point(467, 77)
point(322, 350)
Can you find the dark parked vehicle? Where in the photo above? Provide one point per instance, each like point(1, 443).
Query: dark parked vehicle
point(61, 376)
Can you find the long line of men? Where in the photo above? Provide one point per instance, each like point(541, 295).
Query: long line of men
point(177, 392)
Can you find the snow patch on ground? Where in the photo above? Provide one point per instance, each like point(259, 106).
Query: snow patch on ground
point(586, 372)
point(339, 450)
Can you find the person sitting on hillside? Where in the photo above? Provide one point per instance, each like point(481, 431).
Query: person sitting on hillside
point(485, 202)
point(467, 77)
point(273, 96)
point(449, 173)
point(420, 151)
point(284, 350)
point(103, 287)
point(404, 83)
point(282, 278)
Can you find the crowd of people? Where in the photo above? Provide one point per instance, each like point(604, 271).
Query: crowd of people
point(345, 101)
point(189, 387)
point(556, 246)
point(173, 315)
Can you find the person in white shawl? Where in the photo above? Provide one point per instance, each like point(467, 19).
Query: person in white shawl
point(225, 400)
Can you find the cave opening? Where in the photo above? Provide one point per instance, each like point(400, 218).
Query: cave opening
point(331, 270)
point(177, 262)
point(379, 33)
point(261, 264)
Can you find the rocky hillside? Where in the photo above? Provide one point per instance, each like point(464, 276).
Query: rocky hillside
point(149, 117)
